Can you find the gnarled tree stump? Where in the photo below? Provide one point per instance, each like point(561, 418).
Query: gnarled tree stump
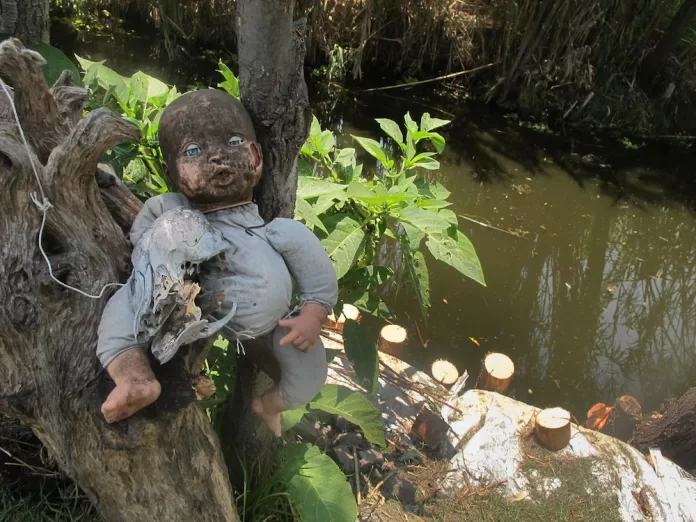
point(164, 463)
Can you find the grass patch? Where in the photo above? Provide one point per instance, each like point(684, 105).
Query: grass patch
point(49, 507)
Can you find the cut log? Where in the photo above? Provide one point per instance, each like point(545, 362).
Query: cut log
point(673, 432)
point(622, 418)
point(349, 312)
point(552, 428)
point(496, 373)
point(444, 372)
point(392, 340)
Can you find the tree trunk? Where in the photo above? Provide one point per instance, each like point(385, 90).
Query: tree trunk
point(656, 60)
point(273, 90)
point(271, 81)
point(164, 463)
point(674, 432)
point(28, 20)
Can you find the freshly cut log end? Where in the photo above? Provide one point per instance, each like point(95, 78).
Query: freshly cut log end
point(349, 312)
point(496, 373)
point(392, 340)
point(552, 428)
point(444, 372)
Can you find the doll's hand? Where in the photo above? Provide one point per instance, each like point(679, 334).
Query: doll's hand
point(305, 329)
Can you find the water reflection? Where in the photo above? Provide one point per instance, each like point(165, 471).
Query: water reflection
point(597, 299)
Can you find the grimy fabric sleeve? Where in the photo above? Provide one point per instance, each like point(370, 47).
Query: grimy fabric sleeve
point(307, 261)
point(115, 334)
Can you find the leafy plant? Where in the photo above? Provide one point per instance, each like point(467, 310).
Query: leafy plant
point(355, 213)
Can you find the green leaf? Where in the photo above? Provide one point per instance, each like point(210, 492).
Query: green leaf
point(290, 418)
point(433, 190)
point(231, 84)
point(325, 202)
point(374, 149)
point(345, 157)
point(352, 406)
point(410, 147)
point(316, 486)
point(411, 125)
point(420, 278)
point(458, 253)
point(429, 124)
point(56, 63)
point(326, 142)
point(315, 128)
point(345, 242)
point(414, 234)
point(311, 187)
point(361, 350)
point(304, 210)
point(426, 163)
point(361, 192)
point(154, 88)
point(97, 72)
point(391, 128)
point(135, 172)
point(434, 204)
point(449, 216)
point(428, 222)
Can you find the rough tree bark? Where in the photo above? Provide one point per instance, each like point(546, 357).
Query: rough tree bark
point(654, 62)
point(273, 90)
point(164, 463)
point(271, 81)
point(673, 431)
point(28, 20)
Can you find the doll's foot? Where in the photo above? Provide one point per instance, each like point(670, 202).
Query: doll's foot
point(128, 398)
point(272, 420)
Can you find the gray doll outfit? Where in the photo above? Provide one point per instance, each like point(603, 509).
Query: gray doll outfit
point(256, 272)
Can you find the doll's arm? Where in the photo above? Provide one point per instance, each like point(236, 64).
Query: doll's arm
point(306, 260)
point(154, 208)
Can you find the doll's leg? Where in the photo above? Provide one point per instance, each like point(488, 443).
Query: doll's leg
point(136, 385)
point(302, 374)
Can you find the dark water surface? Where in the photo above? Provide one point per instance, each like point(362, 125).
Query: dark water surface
point(595, 300)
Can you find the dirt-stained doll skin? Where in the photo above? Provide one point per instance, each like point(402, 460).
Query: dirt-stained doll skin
point(210, 149)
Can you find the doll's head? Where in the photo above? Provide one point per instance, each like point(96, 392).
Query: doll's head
point(209, 148)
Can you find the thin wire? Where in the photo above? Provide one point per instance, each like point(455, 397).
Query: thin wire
point(44, 205)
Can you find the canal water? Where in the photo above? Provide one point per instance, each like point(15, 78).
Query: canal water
point(588, 247)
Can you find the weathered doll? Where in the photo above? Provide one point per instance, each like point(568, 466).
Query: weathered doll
point(212, 158)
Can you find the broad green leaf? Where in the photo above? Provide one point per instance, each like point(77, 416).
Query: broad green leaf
point(410, 147)
point(316, 486)
point(414, 234)
point(311, 187)
point(326, 142)
point(420, 279)
point(434, 204)
point(428, 222)
point(411, 125)
point(290, 418)
point(231, 83)
point(315, 128)
point(437, 140)
point(137, 89)
point(448, 215)
point(427, 163)
point(362, 287)
point(391, 128)
point(304, 167)
point(304, 209)
point(325, 202)
point(458, 253)
point(56, 63)
point(352, 406)
point(374, 149)
point(106, 78)
point(362, 192)
point(434, 190)
point(361, 350)
point(345, 242)
point(429, 124)
point(345, 157)
point(156, 89)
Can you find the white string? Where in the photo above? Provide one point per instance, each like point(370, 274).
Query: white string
point(44, 205)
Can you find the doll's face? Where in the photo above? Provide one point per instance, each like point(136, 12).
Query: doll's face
point(209, 147)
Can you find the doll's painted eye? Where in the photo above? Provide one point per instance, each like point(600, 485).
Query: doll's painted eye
point(192, 150)
point(236, 140)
